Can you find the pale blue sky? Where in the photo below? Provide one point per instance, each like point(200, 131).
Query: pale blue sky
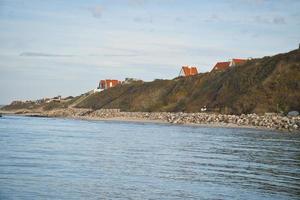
point(65, 47)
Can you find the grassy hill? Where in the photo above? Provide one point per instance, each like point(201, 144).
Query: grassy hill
point(269, 84)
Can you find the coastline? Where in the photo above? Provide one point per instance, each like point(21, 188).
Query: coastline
point(209, 125)
point(143, 121)
point(268, 122)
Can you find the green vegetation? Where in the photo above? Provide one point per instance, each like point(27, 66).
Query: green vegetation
point(270, 84)
point(21, 105)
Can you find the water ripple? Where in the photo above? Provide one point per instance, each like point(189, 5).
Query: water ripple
point(70, 159)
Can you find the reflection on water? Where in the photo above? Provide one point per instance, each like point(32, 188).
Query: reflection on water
point(67, 159)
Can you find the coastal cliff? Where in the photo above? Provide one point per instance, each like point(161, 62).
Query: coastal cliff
point(260, 86)
point(269, 84)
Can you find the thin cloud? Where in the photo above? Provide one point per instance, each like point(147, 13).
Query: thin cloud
point(35, 54)
point(255, 2)
point(144, 2)
point(136, 2)
point(113, 55)
point(120, 55)
point(213, 18)
point(278, 20)
point(261, 20)
point(143, 19)
point(97, 11)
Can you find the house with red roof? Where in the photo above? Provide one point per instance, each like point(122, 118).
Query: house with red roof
point(220, 66)
point(188, 70)
point(108, 83)
point(237, 61)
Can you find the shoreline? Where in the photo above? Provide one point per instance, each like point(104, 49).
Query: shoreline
point(183, 119)
point(142, 121)
point(204, 125)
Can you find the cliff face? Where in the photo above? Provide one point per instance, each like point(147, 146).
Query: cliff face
point(269, 84)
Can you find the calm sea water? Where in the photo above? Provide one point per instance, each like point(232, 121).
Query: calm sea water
point(43, 158)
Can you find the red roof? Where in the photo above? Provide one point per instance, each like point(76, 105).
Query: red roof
point(193, 71)
point(105, 84)
point(189, 71)
point(221, 66)
point(239, 61)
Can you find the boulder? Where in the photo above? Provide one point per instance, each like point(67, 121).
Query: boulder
point(293, 113)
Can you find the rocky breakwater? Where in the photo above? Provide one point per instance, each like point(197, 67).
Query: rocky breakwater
point(68, 112)
point(269, 120)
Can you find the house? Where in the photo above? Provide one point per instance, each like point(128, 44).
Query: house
point(221, 66)
point(188, 71)
point(237, 61)
point(68, 98)
point(53, 99)
point(106, 84)
point(57, 97)
point(225, 65)
point(130, 80)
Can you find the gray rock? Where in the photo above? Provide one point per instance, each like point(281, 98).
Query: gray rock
point(293, 113)
point(295, 126)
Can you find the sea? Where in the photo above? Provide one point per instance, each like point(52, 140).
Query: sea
point(52, 158)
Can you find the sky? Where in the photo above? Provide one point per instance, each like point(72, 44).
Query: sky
point(57, 47)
